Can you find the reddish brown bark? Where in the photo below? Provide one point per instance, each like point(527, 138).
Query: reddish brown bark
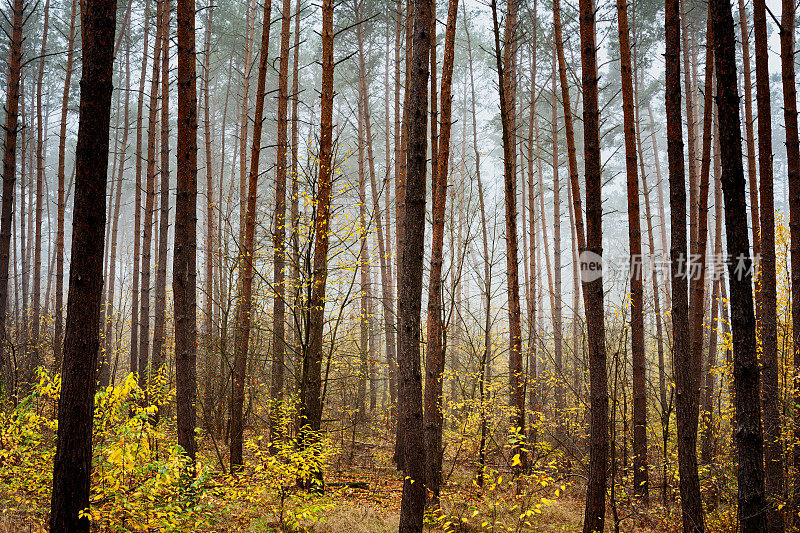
point(593, 290)
point(640, 478)
point(434, 366)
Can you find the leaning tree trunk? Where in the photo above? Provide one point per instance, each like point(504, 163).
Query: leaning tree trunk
point(73, 460)
point(245, 305)
point(593, 288)
point(640, 481)
point(411, 456)
point(747, 432)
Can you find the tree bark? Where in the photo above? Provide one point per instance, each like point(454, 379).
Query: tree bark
point(10, 170)
point(434, 366)
point(62, 200)
point(748, 431)
point(767, 295)
point(793, 167)
point(72, 464)
point(593, 289)
point(411, 456)
point(279, 235)
point(640, 477)
point(246, 272)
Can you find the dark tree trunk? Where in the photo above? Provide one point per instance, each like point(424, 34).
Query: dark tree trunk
point(72, 464)
point(593, 288)
point(747, 431)
point(411, 456)
point(184, 267)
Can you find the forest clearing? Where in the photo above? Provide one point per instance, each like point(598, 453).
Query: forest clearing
point(399, 265)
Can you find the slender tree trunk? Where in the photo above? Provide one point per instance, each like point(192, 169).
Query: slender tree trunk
point(640, 478)
point(755, 219)
point(110, 283)
point(558, 358)
point(506, 81)
point(147, 230)
point(279, 235)
point(9, 172)
point(40, 187)
point(72, 464)
point(62, 200)
point(410, 427)
point(211, 231)
point(184, 268)
point(767, 295)
point(593, 288)
point(434, 366)
point(159, 329)
point(747, 432)
point(245, 305)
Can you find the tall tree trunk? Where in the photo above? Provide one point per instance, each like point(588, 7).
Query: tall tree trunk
point(184, 268)
point(279, 235)
point(62, 200)
point(211, 231)
point(691, 503)
point(40, 187)
point(506, 73)
point(747, 432)
point(767, 295)
point(10, 172)
point(410, 427)
point(755, 219)
point(640, 478)
point(793, 167)
point(72, 464)
point(363, 261)
point(434, 366)
point(110, 283)
point(159, 329)
point(556, 297)
point(593, 288)
point(246, 272)
point(147, 230)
